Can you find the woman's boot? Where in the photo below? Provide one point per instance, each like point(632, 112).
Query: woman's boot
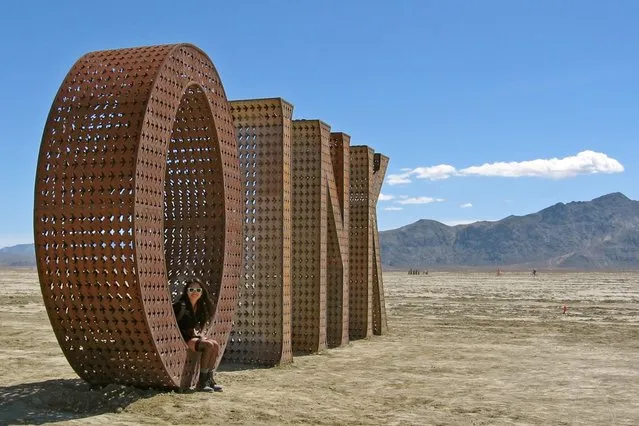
point(204, 383)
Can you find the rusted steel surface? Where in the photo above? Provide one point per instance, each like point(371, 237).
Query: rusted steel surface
point(367, 306)
point(137, 188)
point(361, 243)
point(337, 172)
point(380, 325)
point(308, 248)
point(262, 326)
point(148, 176)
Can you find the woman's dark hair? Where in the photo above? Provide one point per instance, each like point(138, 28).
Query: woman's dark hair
point(205, 306)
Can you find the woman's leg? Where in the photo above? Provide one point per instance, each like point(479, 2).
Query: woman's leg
point(210, 350)
point(207, 363)
point(192, 343)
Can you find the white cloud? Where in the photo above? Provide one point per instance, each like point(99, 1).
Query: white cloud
point(467, 205)
point(384, 197)
point(420, 200)
point(439, 172)
point(393, 208)
point(586, 162)
point(398, 179)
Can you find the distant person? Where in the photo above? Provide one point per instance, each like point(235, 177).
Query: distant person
point(194, 310)
point(534, 272)
point(565, 308)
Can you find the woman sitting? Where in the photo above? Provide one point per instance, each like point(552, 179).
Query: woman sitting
point(194, 310)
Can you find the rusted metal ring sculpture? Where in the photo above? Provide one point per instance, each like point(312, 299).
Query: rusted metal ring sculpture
point(137, 189)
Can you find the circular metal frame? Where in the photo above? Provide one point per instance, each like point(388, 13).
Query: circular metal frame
point(137, 189)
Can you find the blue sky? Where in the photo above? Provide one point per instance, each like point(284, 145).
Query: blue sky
point(486, 109)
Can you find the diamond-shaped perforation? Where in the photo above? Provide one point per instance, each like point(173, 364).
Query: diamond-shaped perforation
point(139, 185)
point(380, 326)
point(261, 330)
point(100, 209)
point(310, 156)
point(361, 243)
point(337, 187)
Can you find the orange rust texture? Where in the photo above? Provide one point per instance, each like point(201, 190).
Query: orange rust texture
point(308, 248)
point(337, 166)
point(361, 244)
point(137, 185)
point(367, 306)
point(262, 325)
point(380, 325)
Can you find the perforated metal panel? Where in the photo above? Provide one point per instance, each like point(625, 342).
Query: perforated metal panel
point(361, 244)
point(380, 325)
point(338, 188)
point(309, 212)
point(137, 188)
point(262, 326)
point(367, 307)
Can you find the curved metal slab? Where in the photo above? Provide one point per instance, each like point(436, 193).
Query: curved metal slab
point(137, 188)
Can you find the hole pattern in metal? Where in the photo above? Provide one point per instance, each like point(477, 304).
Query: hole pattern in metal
point(361, 243)
point(262, 326)
point(137, 186)
point(380, 325)
point(308, 248)
point(337, 167)
point(321, 235)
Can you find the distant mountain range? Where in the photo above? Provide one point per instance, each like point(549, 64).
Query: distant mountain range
point(19, 256)
point(598, 234)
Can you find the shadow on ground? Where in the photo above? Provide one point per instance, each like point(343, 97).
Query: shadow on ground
point(228, 367)
point(60, 400)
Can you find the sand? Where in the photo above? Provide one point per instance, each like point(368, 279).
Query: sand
point(462, 348)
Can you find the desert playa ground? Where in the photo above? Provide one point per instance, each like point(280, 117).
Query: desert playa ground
point(463, 348)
